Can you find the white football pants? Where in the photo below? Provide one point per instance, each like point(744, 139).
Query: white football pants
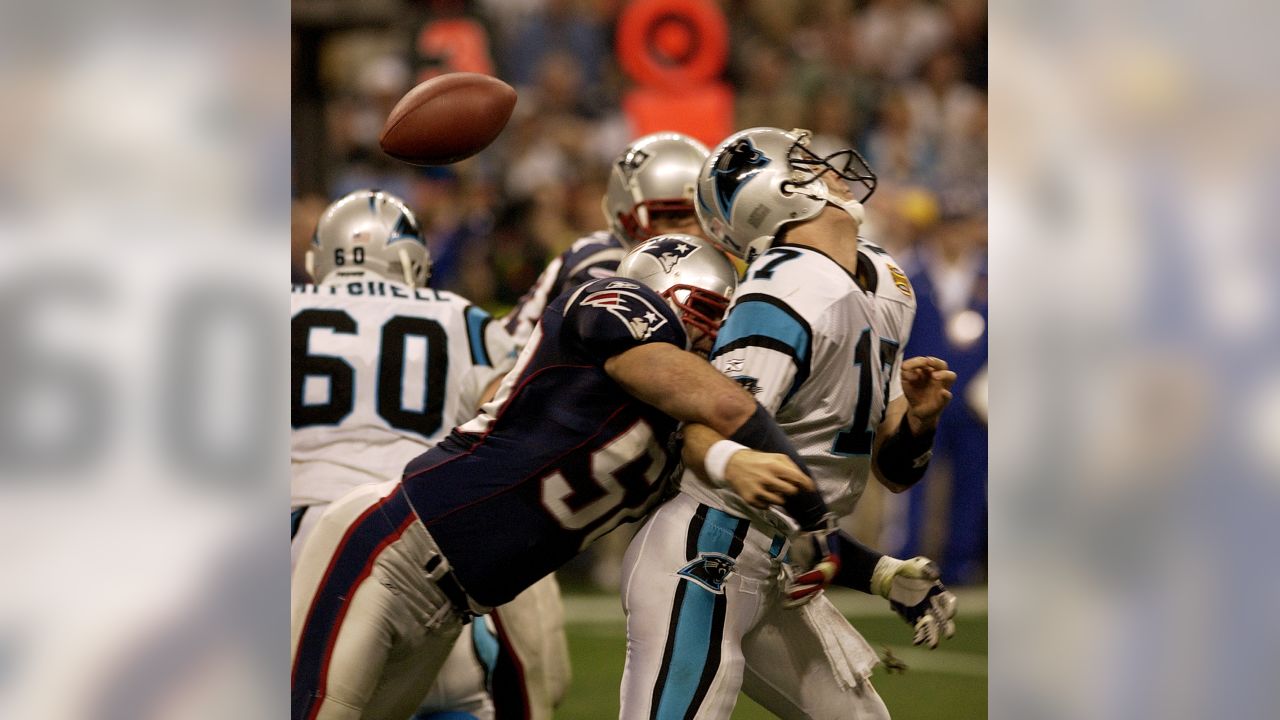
point(702, 593)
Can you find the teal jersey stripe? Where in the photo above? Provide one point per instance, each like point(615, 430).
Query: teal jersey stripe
point(477, 319)
point(757, 318)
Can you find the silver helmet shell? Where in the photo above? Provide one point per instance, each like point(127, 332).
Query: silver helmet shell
point(694, 276)
point(369, 231)
point(758, 180)
point(655, 174)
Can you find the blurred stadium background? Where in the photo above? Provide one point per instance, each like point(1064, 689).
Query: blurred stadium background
point(904, 81)
point(145, 173)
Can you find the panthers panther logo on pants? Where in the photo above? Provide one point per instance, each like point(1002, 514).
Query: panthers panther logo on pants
point(710, 571)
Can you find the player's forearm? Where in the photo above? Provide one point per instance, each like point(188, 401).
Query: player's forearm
point(903, 450)
point(761, 432)
point(857, 564)
point(681, 385)
point(690, 390)
point(698, 439)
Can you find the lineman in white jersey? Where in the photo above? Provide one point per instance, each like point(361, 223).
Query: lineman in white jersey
point(816, 331)
point(649, 193)
point(383, 368)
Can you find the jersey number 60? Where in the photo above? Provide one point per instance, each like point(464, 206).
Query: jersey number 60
point(341, 376)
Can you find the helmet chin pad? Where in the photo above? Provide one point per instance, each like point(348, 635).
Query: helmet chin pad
point(818, 189)
point(850, 205)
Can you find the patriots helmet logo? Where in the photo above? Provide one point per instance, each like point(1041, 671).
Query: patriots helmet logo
point(669, 252)
point(710, 571)
point(632, 161)
point(737, 164)
point(641, 318)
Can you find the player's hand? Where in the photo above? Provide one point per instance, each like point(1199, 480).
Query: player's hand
point(815, 562)
point(915, 593)
point(926, 383)
point(764, 479)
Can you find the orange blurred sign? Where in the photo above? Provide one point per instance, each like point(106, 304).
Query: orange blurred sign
point(675, 50)
point(453, 45)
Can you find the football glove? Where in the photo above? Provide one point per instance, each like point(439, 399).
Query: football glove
point(914, 592)
point(815, 561)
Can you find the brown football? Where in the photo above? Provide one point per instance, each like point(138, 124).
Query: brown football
point(447, 118)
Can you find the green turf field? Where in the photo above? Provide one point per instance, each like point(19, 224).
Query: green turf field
point(950, 682)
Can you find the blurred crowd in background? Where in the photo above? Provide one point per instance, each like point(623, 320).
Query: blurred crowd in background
point(903, 81)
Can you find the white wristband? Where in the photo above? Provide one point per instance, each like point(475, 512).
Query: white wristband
point(717, 460)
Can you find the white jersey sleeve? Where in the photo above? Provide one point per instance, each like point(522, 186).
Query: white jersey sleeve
point(821, 352)
point(380, 373)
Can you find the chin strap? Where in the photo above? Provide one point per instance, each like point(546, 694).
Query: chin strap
point(852, 207)
point(406, 268)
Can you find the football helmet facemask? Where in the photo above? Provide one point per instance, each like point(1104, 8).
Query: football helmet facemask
point(656, 174)
point(693, 275)
point(756, 181)
point(369, 231)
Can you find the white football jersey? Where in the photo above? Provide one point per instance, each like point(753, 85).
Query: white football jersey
point(823, 355)
point(381, 372)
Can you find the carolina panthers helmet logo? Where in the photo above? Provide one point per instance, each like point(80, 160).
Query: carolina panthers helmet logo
point(670, 252)
point(737, 164)
point(710, 571)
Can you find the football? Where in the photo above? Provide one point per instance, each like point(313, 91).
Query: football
point(447, 118)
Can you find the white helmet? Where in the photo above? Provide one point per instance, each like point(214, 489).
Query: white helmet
point(369, 231)
point(655, 174)
point(695, 277)
point(758, 180)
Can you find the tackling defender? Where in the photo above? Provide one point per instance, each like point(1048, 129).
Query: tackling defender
point(580, 438)
point(383, 367)
point(649, 193)
point(815, 332)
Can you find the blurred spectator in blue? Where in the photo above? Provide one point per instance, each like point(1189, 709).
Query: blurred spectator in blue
point(355, 120)
point(829, 64)
point(950, 282)
point(961, 173)
point(548, 134)
point(565, 26)
point(943, 107)
point(895, 37)
point(768, 95)
point(451, 224)
point(898, 151)
point(831, 120)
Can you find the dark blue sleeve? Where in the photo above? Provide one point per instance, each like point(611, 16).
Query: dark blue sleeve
point(598, 268)
point(612, 315)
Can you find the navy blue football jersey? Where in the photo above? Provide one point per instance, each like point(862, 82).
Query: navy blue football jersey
point(560, 456)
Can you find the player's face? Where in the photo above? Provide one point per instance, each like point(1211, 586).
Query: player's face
point(837, 186)
point(676, 222)
point(701, 342)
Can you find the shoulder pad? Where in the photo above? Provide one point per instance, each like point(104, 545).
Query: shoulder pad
point(893, 282)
